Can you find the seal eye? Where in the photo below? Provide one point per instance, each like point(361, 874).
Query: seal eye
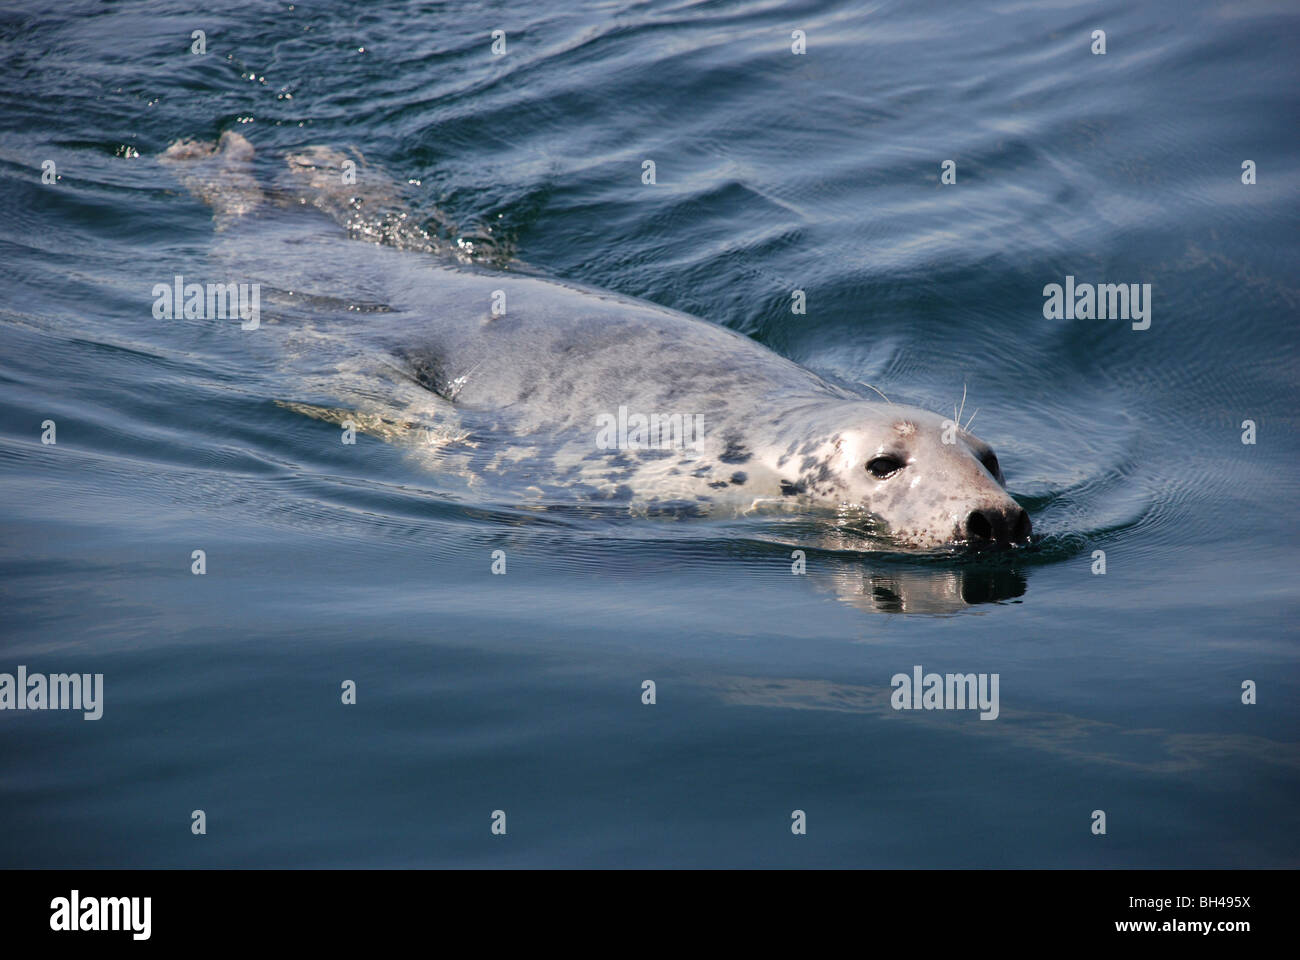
point(990, 462)
point(882, 468)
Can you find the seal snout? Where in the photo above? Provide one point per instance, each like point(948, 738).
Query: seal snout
point(1002, 526)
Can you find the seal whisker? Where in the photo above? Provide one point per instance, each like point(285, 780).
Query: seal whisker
point(971, 420)
point(865, 384)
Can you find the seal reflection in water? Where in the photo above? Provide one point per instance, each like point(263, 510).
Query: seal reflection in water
point(898, 589)
point(534, 369)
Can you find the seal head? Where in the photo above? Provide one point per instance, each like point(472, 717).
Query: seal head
point(914, 477)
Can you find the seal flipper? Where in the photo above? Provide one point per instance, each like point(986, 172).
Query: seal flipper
point(376, 207)
point(220, 174)
point(388, 429)
point(364, 200)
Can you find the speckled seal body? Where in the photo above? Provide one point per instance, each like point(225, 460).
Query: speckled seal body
point(563, 391)
point(564, 359)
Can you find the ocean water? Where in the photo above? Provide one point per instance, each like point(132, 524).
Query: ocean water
point(476, 692)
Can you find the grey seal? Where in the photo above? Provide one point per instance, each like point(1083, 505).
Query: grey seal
point(558, 390)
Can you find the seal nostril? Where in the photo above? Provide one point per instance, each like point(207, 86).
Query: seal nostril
point(978, 526)
point(1020, 532)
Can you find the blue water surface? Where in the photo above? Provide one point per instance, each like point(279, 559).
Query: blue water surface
point(522, 692)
